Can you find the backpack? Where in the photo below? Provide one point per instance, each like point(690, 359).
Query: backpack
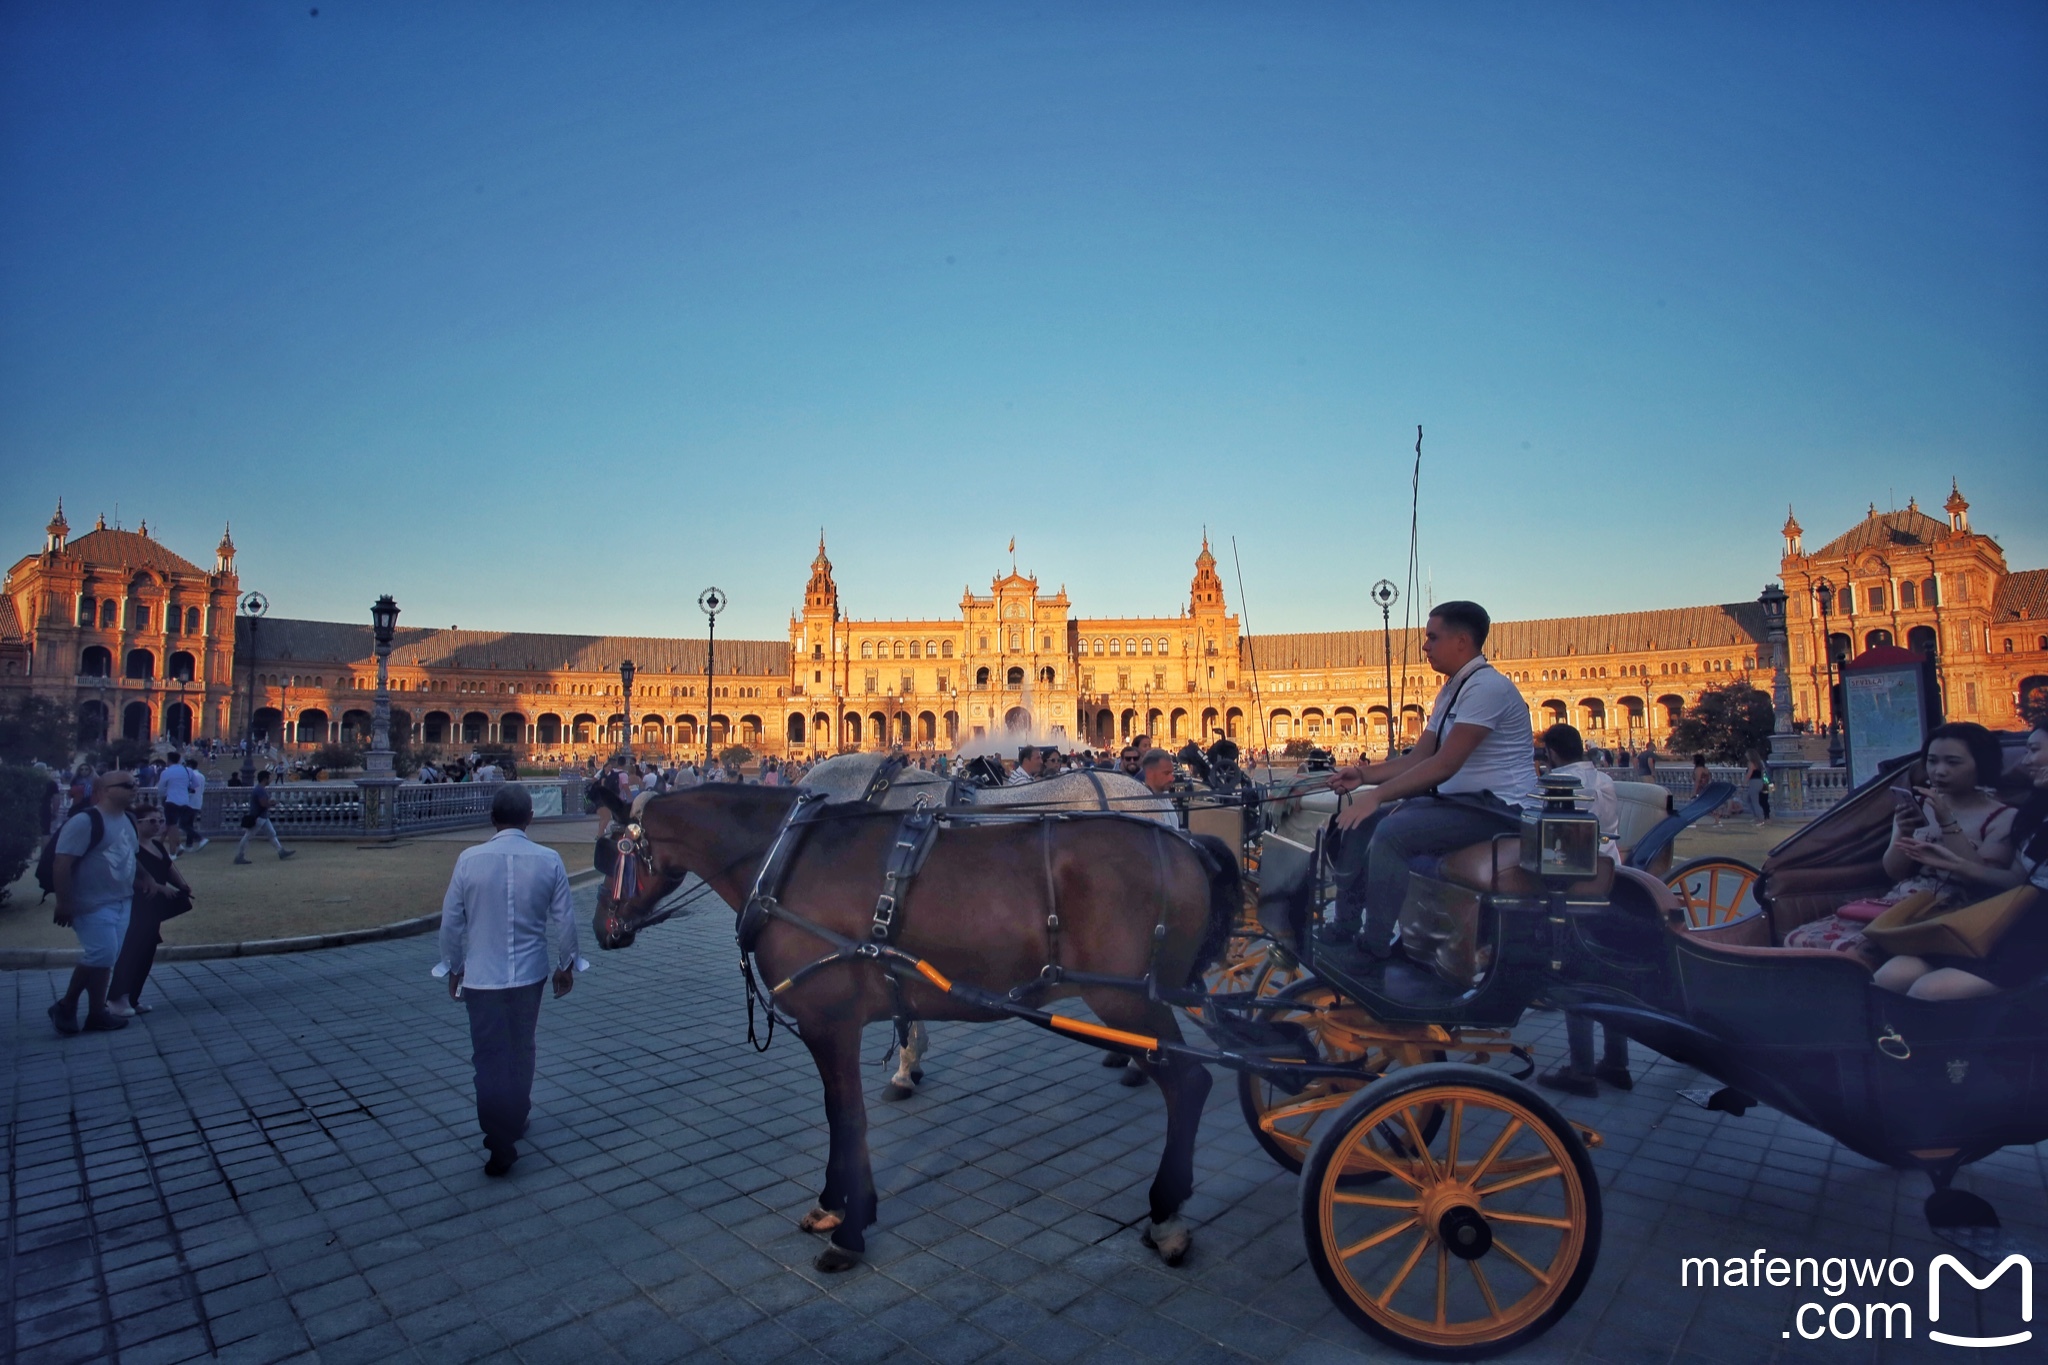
point(46, 861)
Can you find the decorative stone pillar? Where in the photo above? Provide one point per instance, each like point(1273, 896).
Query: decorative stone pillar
point(379, 782)
point(1786, 763)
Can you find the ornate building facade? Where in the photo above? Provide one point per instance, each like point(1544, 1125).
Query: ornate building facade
point(137, 640)
point(124, 632)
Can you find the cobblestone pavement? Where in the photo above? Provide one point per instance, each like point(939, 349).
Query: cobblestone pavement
point(280, 1162)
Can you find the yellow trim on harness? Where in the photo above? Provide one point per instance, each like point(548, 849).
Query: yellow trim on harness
point(931, 974)
point(1107, 1035)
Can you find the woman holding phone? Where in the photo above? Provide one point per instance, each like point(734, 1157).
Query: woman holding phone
point(1951, 812)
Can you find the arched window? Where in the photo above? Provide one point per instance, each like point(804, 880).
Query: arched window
point(191, 620)
point(981, 677)
point(1130, 646)
point(899, 649)
point(1877, 597)
point(1162, 645)
point(1115, 647)
point(867, 649)
point(1845, 601)
point(1877, 638)
point(1046, 675)
point(1909, 595)
point(1098, 646)
point(946, 649)
point(1014, 678)
point(1930, 592)
point(1016, 640)
point(88, 611)
point(1146, 645)
point(107, 614)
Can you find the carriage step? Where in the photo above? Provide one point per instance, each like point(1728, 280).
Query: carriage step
point(1726, 1100)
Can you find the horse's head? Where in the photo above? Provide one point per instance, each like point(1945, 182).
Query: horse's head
point(716, 832)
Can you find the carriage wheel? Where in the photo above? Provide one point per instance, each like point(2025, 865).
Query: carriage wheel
point(1485, 1236)
point(1713, 891)
point(1253, 967)
point(1284, 1124)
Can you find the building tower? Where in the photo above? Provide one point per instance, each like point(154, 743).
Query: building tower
point(54, 534)
point(224, 553)
point(1957, 508)
point(1793, 532)
point(1205, 595)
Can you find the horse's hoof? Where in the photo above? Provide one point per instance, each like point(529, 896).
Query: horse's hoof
point(893, 1091)
point(821, 1220)
point(1132, 1077)
point(834, 1259)
point(1171, 1239)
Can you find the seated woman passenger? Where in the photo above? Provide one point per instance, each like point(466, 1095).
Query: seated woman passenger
point(2021, 955)
point(1955, 812)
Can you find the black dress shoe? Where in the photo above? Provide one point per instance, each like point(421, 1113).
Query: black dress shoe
point(501, 1162)
point(1615, 1075)
point(1571, 1082)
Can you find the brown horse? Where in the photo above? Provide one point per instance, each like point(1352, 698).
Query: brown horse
point(1128, 896)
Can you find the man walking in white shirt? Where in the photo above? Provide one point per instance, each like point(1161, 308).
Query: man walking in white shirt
point(506, 928)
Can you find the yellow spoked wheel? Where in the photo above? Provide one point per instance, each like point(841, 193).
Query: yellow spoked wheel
point(1253, 966)
point(1285, 1124)
point(1486, 1231)
point(1714, 891)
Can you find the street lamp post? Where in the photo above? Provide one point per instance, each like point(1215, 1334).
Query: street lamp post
point(1386, 594)
point(626, 708)
point(252, 606)
point(711, 602)
point(1787, 763)
point(380, 776)
point(1824, 592)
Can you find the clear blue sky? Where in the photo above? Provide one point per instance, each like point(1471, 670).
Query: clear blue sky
point(546, 316)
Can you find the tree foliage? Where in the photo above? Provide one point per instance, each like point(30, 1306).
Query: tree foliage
point(36, 729)
point(1728, 721)
point(23, 792)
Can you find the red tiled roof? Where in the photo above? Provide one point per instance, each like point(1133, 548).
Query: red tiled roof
point(2022, 596)
point(128, 550)
point(1737, 624)
point(10, 623)
point(342, 643)
point(1883, 530)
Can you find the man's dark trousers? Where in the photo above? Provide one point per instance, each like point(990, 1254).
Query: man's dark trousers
point(1371, 862)
point(501, 1026)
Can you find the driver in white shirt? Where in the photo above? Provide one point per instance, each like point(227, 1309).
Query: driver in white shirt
point(1467, 779)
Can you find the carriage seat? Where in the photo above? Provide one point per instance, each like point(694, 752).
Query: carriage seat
point(1800, 895)
point(1495, 867)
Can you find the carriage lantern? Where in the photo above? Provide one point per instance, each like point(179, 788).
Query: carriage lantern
point(1559, 839)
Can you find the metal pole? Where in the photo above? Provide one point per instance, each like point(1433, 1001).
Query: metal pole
point(711, 602)
point(1386, 594)
point(253, 606)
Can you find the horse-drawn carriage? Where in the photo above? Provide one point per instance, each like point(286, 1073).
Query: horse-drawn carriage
point(1447, 1207)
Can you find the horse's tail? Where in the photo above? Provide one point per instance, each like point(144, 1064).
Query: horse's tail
point(1226, 900)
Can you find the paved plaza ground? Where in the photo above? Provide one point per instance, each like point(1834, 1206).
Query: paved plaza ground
point(281, 1163)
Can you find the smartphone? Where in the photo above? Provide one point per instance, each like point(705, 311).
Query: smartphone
point(1904, 799)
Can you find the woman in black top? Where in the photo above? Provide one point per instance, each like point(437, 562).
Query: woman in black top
point(160, 894)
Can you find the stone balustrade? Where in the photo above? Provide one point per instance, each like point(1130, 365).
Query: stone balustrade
point(337, 809)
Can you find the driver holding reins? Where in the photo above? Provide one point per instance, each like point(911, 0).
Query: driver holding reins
point(1466, 780)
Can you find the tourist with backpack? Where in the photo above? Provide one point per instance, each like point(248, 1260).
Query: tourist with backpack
point(93, 873)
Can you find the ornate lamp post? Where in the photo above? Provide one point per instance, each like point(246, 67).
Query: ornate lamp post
point(380, 776)
point(1824, 593)
point(1386, 594)
point(711, 602)
point(252, 607)
point(1787, 765)
point(626, 707)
